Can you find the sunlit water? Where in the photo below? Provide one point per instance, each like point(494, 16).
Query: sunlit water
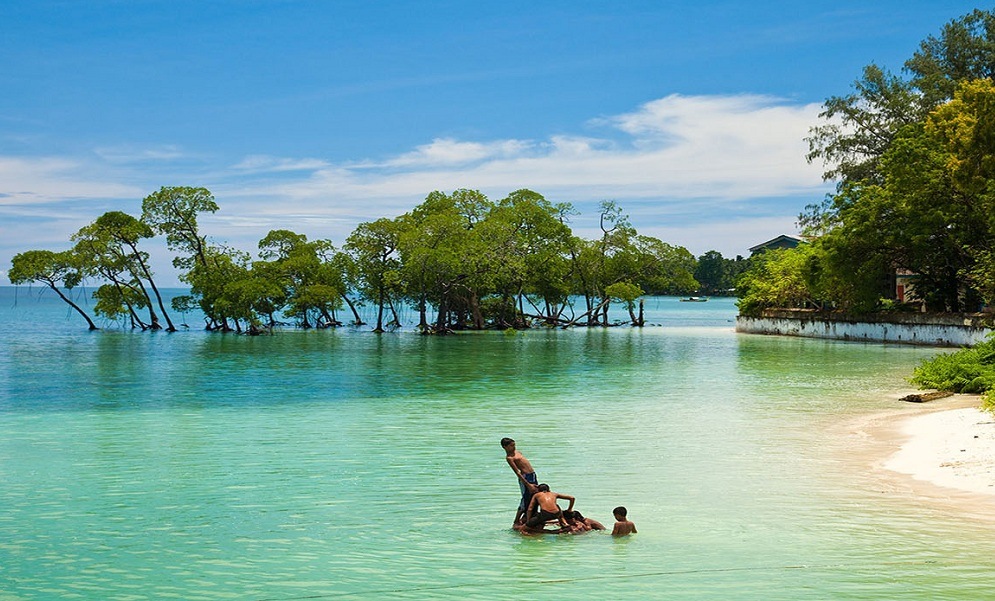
point(343, 464)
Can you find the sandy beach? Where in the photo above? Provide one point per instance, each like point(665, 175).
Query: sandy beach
point(941, 452)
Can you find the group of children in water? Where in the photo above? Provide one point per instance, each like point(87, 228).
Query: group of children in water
point(539, 506)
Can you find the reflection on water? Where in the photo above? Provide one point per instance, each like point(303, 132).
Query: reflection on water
point(348, 465)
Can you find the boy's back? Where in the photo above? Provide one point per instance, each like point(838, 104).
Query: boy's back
point(623, 527)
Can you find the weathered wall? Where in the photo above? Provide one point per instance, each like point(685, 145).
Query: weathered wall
point(903, 328)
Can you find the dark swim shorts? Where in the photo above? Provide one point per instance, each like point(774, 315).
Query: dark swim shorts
point(540, 519)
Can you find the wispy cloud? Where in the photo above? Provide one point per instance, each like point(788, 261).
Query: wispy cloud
point(32, 181)
point(269, 164)
point(128, 153)
point(672, 149)
point(447, 152)
point(684, 166)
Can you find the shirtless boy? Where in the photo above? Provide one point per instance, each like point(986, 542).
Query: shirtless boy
point(623, 526)
point(545, 501)
point(527, 478)
point(582, 524)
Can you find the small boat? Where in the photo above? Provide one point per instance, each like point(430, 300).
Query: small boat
point(695, 299)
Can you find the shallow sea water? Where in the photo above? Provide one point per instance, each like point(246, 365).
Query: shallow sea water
point(342, 464)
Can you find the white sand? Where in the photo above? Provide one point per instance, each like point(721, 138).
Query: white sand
point(950, 448)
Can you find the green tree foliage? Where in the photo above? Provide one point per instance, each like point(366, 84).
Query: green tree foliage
point(717, 275)
point(914, 160)
point(860, 126)
point(208, 283)
point(173, 211)
point(478, 263)
point(109, 247)
point(56, 270)
point(777, 279)
point(309, 283)
point(964, 50)
point(373, 248)
point(627, 294)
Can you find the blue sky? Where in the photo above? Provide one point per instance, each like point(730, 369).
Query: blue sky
point(317, 116)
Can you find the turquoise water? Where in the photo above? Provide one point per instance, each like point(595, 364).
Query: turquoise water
point(342, 464)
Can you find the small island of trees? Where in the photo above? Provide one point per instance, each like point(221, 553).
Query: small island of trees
point(476, 263)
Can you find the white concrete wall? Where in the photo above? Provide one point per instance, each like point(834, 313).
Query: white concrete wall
point(944, 334)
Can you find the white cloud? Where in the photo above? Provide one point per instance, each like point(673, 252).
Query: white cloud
point(137, 154)
point(31, 181)
point(678, 147)
point(449, 152)
point(264, 163)
point(689, 168)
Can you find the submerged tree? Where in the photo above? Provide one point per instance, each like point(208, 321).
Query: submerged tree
point(173, 211)
point(375, 255)
point(53, 269)
point(479, 264)
point(110, 244)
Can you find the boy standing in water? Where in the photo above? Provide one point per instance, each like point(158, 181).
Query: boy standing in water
point(623, 526)
point(527, 479)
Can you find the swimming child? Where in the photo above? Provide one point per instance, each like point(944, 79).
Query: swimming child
point(623, 527)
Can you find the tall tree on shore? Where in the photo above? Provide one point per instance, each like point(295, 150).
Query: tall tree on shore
point(912, 160)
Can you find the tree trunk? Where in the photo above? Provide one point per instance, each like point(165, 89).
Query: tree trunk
point(478, 317)
point(422, 320)
point(148, 276)
point(379, 328)
point(393, 311)
point(441, 323)
point(89, 321)
point(352, 307)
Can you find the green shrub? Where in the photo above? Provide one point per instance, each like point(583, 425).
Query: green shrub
point(969, 370)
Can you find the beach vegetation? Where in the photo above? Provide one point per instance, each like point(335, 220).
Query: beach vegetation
point(913, 160)
point(968, 370)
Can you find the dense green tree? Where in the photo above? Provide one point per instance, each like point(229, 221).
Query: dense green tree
point(914, 162)
point(208, 281)
point(524, 244)
point(438, 249)
point(662, 268)
point(311, 284)
point(627, 294)
point(964, 51)
point(173, 211)
point(716, 274)
point(776, 278)
point(109, 247)
point(479, 264)
point(54, 269)
point(374, 249)
point(860, 126)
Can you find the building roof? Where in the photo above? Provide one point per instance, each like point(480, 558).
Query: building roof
point(781, 241)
